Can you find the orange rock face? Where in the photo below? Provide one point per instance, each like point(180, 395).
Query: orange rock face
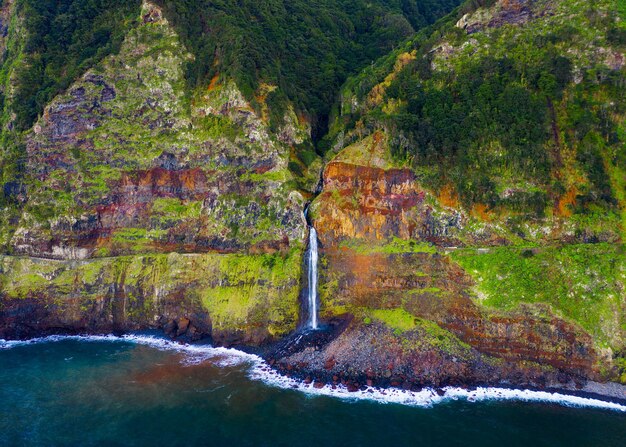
point(363, 208)
point(376, 204)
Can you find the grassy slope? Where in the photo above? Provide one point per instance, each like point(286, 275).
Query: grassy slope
point(583, 283)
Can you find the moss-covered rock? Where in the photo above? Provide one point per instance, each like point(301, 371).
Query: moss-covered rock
point(232, 298)
point(124, 163)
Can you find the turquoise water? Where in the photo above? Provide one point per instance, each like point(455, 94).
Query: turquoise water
point(120, 393)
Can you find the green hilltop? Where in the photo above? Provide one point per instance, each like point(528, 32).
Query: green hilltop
point(517, 107)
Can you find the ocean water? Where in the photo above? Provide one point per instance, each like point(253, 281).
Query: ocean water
point(144, 391)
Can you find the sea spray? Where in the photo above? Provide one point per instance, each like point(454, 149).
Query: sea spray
point(261, 371)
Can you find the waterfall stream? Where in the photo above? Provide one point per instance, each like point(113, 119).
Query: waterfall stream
point(312, 276)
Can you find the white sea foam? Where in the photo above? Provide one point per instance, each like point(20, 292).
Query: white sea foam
point(194, 354)
point(429, 397)
point(9, 344)
point(261, 371)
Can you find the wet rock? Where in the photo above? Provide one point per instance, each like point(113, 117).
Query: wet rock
point(170, 328)
point(352, 387)
point(194, 334)
point(182, 325)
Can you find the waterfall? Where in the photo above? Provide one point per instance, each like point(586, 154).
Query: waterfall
point(312, 272)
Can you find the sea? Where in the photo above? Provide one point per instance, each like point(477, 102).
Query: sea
point(144, 390)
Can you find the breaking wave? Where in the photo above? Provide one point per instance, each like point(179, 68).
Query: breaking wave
point(261, 371)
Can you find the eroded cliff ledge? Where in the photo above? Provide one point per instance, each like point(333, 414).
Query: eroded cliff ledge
point(142, 207)
point(413, 309)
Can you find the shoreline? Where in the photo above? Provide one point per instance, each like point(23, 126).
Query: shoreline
point(591, 395)
point(609, 392)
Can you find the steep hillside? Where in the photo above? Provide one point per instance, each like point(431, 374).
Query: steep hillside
point(473, 201)
point(157, 158)
point(132, 130)
point(277, 64)
point(513, 113)
point(305, 50)
point(119, 164)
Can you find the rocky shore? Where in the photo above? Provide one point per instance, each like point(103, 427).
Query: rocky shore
point(359, 369)
point(302, 376)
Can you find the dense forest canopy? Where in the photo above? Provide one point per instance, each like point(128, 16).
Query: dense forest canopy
point(306, 48)
point(536, 109)
point(62, 39)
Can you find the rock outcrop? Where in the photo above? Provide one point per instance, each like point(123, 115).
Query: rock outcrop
point(145, 209)
point(412, 316)
point(365, 196)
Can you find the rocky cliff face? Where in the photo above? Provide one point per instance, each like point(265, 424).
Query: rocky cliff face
point(119, 164)
point(366, 196)
point(141, 204)
point(234, 299)
point(124, 163)
point(413, 312)
point(454, 263)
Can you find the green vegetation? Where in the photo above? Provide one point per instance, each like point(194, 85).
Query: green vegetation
point(621, 366)
point(247, 293)
point(418, 333)
point(434, 335)
point(397, 319)
point(520, 119)
point(63, 38)
point(250, 291)
point(372, 151)
point(172, 210)
point(305, 49)
point(393, 246)
point(583, 283)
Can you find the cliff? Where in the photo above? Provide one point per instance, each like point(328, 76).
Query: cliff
point(135, 134)
point(121, 168)
point(235, 299)
point(420, 310)
point(471, 208)
point(471, 225)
